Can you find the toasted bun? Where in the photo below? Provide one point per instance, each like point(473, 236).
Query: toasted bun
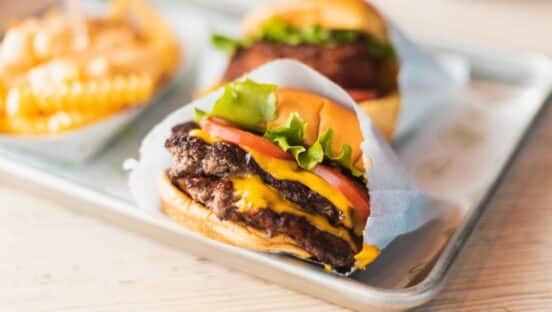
point(384, 113)
point(320, 115)
point(197, 218)
point(330, 14)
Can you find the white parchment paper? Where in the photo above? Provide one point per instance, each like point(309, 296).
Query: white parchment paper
point(398, 206)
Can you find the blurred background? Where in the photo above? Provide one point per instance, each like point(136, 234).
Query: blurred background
point(519, 25)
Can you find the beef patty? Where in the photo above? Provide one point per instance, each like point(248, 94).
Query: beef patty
point(350, 65)
point(217, 195)
point(204, 171)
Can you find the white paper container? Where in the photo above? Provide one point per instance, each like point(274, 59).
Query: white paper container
point(79, 145)
point(73, 146)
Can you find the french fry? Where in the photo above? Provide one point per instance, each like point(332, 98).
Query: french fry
point(56, 123)
point(85, 69)
point(2, 99)
point(98, 96)
point(155, 29)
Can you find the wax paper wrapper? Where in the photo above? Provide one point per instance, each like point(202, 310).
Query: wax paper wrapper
point(425, 81)
point(79, 145)
point(398, 206)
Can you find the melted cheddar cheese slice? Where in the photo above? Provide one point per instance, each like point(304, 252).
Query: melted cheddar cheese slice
point(366, 256)
point(254, 194)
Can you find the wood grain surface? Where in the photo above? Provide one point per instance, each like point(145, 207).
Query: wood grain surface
point(53, 259)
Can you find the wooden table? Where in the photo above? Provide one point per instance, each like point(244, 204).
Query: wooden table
point(54, 259)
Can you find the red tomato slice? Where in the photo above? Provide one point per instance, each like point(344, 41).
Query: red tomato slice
point(360, 95)
point(354, 193)
point(243, 138)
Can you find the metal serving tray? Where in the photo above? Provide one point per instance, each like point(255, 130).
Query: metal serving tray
point(460, 155)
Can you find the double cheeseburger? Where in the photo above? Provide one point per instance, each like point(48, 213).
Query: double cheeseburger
point(346, 40)
point(272, 169)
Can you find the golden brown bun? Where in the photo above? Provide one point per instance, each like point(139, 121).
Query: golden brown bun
point(204, 91)
point(320, 115)
point(330, 14)
point(196, 218)
point(384, 113)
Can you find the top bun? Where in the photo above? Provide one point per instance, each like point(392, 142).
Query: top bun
point(329, 14)
point(321, 114)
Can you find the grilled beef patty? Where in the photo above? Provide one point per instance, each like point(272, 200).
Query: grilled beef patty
point(350, 65)
point(203, 171)
point(217, 195)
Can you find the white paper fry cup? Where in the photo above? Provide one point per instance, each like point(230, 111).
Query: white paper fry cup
point(397, 205)
point(73, 146)
point(81, 144)
point(425, 81)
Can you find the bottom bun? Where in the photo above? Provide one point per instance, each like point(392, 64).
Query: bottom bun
point(384, 112)
point(207, 90)
point(197, 218)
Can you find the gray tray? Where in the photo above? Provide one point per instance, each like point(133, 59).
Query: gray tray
point(460, 155)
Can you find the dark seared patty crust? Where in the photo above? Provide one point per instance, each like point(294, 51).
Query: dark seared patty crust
point(217, 195)
point(349, 65)
point(204, 172)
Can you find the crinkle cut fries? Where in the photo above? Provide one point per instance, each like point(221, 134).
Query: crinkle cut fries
point(63, 71)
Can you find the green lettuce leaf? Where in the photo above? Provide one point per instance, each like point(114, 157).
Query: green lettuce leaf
point(246, 104)
point(345, 35)
point(229, 45)
point(344, 157)
point(292, 132)
point(381, 50)
point(199, 114)
point(225, 44)
point(290, 137)
point(315, 35)
point(276, 30)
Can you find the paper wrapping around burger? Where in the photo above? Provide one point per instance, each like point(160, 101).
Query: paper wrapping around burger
point(79, 145)
point(425, 81)
point(398, 206)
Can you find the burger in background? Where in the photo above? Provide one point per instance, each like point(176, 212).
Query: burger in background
point(347, 41)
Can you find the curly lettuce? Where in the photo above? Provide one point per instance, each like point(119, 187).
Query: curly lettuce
point(276, 30)
point(290, 138)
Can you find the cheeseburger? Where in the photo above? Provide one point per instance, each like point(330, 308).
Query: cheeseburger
point(272, 169)
point(347, 41)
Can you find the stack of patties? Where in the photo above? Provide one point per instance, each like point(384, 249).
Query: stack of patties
point(272, 169)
